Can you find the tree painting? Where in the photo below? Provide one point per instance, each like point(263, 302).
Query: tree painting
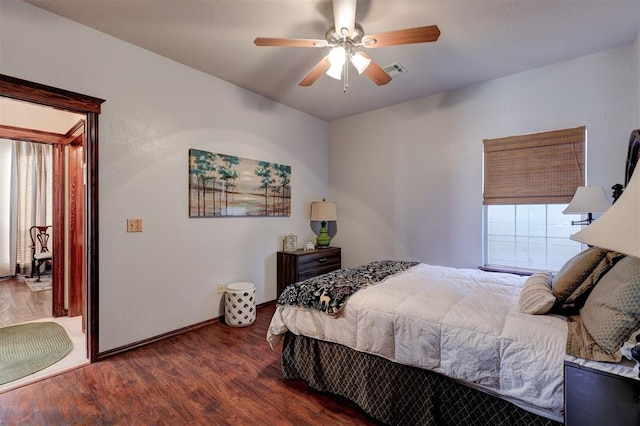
point(226, 185)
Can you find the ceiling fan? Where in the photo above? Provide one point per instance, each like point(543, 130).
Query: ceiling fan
point(344, 38)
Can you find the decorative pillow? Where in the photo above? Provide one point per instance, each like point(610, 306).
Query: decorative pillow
point(574, 272)
point(580, 344)
point(577, 298)
point(612, 310)
point(536, 296)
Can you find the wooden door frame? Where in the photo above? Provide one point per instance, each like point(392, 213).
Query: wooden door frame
point(59, 264)
point(75, 261)
point(15, 88)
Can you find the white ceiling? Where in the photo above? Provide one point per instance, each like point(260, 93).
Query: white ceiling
point(32, 116)
point(480, 40)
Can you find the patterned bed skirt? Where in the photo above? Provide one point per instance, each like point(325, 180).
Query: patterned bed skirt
point(394, 393)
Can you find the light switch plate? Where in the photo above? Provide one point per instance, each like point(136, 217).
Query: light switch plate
point(134, 225)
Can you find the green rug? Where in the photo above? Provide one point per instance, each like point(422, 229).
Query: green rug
point(27, 348)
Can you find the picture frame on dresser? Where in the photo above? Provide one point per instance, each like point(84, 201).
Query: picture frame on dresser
point(290, 243)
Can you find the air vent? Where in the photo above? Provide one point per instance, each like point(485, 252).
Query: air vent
point(395, 69)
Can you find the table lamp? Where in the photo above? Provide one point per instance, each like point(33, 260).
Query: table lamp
point(323, 212)
point(618, 228)
point(588, 200)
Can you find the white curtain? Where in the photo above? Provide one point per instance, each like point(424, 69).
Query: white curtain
point(7, 210)
point(34, 200)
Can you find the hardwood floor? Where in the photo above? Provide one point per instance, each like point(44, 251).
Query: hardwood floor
point(214, 375)
point(19, 304)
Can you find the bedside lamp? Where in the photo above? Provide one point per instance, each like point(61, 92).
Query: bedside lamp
point(588, 200)
point(323, 212)
point(619, 228)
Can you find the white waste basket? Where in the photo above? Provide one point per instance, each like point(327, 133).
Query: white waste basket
point(240, 304)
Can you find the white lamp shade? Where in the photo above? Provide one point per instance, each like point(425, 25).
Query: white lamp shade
point(335, 71)
point(323, 211)
point(589, 199)
point(338, 56)
point(619, 228)
point(360, 61)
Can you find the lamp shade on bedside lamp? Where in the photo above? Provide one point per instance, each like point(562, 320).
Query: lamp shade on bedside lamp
point(588, 200)
point(619, 228)
point(323, 212)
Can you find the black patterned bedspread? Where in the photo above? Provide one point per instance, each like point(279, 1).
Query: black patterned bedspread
point(328, 293)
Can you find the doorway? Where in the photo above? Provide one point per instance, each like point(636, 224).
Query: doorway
point(47, 210)
point(89, 107)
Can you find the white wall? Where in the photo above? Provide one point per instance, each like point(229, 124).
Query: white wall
point(165, 278)
point(408, 178)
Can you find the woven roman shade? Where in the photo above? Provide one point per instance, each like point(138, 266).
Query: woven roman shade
point(538, 168)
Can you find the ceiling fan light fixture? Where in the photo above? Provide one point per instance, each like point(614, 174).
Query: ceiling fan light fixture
point(344, 37)
point(335, 71)
point(338, 56)
point(360, 61)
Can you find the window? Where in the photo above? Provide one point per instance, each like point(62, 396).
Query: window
point(529, 236)
point(528, 182)
point(34, 188)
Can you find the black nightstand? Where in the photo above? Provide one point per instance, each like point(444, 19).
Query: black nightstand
point(593, 397)
point(300, 265)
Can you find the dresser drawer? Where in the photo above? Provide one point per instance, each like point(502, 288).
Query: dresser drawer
point(319, 261)
point(305, 275)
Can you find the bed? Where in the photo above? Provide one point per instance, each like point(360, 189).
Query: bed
point(413, 343)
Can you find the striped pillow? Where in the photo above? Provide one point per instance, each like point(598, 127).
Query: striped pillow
point(536, 296)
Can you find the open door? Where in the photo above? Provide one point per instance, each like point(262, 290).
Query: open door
point(75, 258)
point(68, 223)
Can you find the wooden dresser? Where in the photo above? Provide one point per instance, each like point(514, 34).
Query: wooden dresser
point(300, 265)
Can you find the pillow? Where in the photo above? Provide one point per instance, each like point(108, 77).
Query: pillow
point(536, 296)
point(573, 273)
point(580, 343)
point(612, 310)
point(579, 275)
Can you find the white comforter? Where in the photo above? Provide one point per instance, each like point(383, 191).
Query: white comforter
point(463, 323)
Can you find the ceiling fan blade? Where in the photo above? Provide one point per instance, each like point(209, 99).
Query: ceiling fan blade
point(344, 15)
point(289, 42)
point(375, 72)
point(408, 36)
point(316, 72)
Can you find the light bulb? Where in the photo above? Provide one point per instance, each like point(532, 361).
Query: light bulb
point(337, 56)
point(360, 61)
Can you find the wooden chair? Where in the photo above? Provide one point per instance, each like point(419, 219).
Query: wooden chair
point(39, 238)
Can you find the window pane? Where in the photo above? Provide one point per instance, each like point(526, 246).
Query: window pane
point(500, 220)
point(558, 223)
point(537, 253)
point(531, 220)
point(501, 250)
point(561, 250)
point(530, 236)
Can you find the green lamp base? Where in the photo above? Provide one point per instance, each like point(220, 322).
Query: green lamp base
point(323, 239)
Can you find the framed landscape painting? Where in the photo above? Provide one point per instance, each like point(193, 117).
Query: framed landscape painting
point(222, 185)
